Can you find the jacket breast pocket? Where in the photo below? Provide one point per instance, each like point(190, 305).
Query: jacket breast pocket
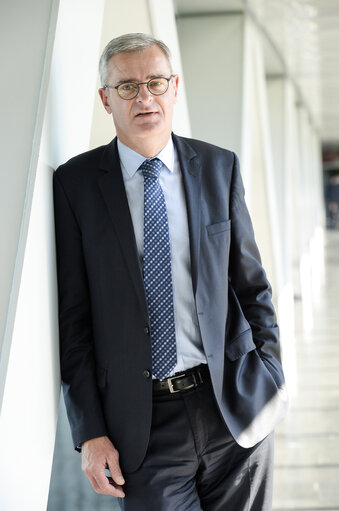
point(219, 227)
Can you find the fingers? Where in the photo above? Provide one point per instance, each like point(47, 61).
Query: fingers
point(106, 485)
point(102, 484)
point(97, 454)
point(114, 468)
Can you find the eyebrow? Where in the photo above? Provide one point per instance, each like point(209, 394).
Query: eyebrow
point(134, 80)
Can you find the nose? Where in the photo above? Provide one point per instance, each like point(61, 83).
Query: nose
point(144, 94)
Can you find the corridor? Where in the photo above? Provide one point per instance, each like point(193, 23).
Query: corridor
point(307, 442)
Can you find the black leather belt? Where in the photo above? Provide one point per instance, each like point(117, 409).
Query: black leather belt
point(183, 381)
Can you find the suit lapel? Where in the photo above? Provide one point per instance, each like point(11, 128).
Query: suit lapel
point(113, 191)
point(191, 171)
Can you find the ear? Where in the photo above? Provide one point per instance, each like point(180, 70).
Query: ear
point(176, 84)
point(105, 101)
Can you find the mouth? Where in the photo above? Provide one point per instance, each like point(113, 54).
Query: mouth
point(145, 115)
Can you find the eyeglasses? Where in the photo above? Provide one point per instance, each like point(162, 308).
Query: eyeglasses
point(129, 90)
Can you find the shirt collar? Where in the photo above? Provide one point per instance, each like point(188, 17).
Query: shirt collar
point(131, 160)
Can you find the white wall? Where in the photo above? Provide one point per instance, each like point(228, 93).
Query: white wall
point(26, 31)
point(164, 27)
point(212, 55)
point(28, 372)
point(132, 16)
point(72, 89)
point(32, 387)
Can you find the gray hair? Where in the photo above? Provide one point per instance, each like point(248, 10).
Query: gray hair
point(129, 43)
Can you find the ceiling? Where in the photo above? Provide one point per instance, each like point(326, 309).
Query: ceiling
point(302, 41)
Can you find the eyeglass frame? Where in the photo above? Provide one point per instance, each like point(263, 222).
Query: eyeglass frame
point(116, 87)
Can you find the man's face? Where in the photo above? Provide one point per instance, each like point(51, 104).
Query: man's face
point(146, 116)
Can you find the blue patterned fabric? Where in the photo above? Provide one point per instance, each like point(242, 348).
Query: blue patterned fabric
point(158, 272)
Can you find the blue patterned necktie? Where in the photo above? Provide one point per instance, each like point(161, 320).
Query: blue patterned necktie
point(158, 272)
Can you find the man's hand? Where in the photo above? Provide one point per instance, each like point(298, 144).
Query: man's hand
point(98, 454)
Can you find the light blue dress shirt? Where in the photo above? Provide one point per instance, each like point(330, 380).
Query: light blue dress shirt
point(190, 351)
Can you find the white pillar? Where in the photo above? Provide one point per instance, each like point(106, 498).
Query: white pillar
point(212, 55)
point(32, 384)
point(27, 33)
point(164, 27)
point(281, 101)
point(305, 213)
point(29, 390)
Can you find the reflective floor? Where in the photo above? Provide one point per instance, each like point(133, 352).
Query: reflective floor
point(307, 442)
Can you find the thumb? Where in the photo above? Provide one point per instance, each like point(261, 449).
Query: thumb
point(115, 470)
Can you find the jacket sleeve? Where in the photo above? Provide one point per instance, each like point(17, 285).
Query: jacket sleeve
point(77, 359)
point(249, 281)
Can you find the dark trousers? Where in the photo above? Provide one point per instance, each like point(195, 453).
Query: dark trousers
point(193, 463)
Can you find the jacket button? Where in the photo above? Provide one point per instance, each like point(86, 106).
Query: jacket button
point(146, 373)
point(146, 330)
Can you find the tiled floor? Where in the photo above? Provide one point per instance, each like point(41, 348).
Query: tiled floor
point(307, 442)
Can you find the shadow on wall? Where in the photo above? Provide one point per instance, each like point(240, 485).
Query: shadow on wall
point(70, 489)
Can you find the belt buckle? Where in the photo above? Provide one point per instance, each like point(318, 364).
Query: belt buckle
point(170, 384)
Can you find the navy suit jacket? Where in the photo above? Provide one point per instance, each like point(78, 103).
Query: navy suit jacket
point(105, 347)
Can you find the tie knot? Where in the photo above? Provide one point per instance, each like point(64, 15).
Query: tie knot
point(151, 168)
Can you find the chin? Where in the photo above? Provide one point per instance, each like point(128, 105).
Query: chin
point(149, 128)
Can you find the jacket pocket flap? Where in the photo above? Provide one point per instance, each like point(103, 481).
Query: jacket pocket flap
point(240, 346)
point(101, 374)
point(219, 227)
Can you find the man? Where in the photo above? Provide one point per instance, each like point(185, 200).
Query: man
point(169, 343)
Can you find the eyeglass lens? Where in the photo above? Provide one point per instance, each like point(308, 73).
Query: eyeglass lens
point(156, 86)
